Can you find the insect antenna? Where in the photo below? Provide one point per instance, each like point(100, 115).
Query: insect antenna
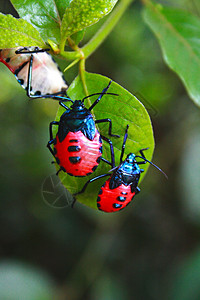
point(159, 169)
point(99, 94)
point(64, 99)
point(124, 144)
point(63, 105)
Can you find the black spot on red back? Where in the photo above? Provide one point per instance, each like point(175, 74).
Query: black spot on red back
point(100, 192)
point(120, 198)
point(88, 173)
point(116, 205)
point(57, 160)
point(100, 140)
point(98, 160)
point(124, 193)
point(74, 148)
point(74, 159)
point(73, 141)
point(94, 168)
point(62, 168)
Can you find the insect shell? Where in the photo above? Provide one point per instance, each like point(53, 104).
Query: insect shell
point(122, 185)
point(77, 146)
point(46, 75)
point(118, 190)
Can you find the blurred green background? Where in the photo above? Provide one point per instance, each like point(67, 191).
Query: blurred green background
point(149, 251)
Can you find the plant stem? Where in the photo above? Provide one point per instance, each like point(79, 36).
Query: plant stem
point(82, 53)
point(107, 27)
point(99, 37)
point(82, 75)
point(70, 55)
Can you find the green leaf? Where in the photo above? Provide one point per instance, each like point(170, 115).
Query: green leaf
point(24, 282)
point(179, 35)
point(16, 32)
point(45, 15)
point(83, 13)
point(122, 110)
point(78, 36)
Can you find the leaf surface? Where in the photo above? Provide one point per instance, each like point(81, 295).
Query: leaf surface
point(83, 13)
point(17, 32)
point(178, 33)
point(122, 110)
point(45, 16)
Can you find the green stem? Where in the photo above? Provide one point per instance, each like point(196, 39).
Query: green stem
point(82, 76)
point(100, 36)
point(107, 27)
point(70, 55)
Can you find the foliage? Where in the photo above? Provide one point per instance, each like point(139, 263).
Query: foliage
point(89, 254)
point(14, 32)
point(57, 27)
point(179, 34)
point(123, 109)
point(59, 22)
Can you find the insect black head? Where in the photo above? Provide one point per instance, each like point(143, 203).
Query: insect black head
point(78, 105)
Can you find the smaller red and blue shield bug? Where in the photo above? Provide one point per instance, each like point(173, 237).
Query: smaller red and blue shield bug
point(122, 185)
point(36, 71)
point(77, 146)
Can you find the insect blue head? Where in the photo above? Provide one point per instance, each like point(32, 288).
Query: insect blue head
point(130, 158)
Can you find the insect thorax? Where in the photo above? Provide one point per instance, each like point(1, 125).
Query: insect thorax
point(74, 121)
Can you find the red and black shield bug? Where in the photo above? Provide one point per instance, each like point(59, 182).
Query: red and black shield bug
point(77, 146)
point(36, 71)
point(122, 185)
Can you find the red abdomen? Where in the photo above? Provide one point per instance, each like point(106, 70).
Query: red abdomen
point(77, 154)
point(116, 199)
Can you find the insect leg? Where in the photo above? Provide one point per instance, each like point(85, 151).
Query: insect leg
point(142, 156)
point(110, 126)
point(25, 50)
point(111, 150)
point(89, 181)
point(135, 189)
point(54, 96)
point(106, 161)
point(51, 127)
point(63, 105)
point(50, 148)
point(142, 153)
